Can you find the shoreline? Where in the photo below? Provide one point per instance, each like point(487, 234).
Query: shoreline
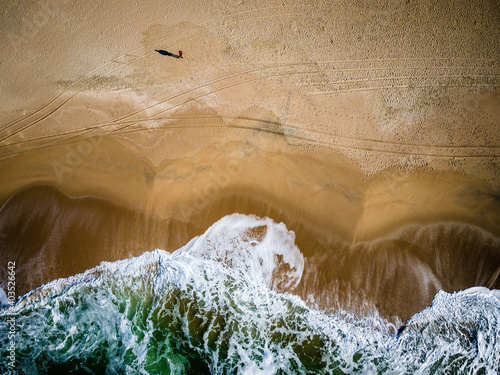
point(350, 122)
point(62, 236)
point(331, 191)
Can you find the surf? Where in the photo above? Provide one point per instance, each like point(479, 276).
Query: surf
point(225, 304)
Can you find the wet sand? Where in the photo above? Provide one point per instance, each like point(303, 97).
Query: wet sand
point(377, 144)
point(389, 242)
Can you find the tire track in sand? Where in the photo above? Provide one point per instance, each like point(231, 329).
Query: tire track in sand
point(125, 64)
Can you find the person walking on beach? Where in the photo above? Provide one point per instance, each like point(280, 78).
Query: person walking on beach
point(180, 54)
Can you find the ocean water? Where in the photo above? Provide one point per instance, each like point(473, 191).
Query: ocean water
point(224, 304)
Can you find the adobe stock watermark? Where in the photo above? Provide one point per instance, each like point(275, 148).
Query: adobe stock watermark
point(209, 191)
point(75, 156)
point(31, 24)
point(11, 322)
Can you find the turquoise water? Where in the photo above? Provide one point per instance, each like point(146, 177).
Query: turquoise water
point(222, 305)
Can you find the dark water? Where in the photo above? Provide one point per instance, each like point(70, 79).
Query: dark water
point(224, 304)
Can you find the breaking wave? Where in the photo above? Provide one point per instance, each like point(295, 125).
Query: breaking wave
point(224, 304)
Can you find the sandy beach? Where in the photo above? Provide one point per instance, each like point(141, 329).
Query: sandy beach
point(371, 129)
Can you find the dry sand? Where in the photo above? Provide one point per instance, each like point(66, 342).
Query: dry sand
point(370, 128)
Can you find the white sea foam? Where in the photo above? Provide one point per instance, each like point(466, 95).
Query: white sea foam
point(260, 250)
point(219, 300)
point(483, 290)
point(4, 301)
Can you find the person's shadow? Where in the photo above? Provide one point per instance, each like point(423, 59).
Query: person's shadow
point(166, 53)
